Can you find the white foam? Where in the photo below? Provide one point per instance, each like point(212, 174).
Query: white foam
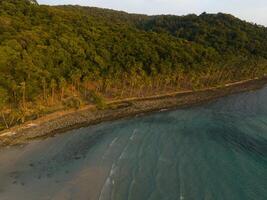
point(113, 142)
point(134, 134)
point(105, 190)
point(110, 145)
point(123, 153)
point(113, 170)
point(161, 159)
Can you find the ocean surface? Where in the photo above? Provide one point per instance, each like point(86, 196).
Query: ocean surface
point(213, 151)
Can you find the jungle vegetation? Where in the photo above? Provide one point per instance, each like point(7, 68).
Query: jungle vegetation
point(53, 57)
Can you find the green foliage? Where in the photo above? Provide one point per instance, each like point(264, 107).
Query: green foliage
point(223, 32)
point(98, 100)
point(3, 98)
point(73, 102)
point(64, 52)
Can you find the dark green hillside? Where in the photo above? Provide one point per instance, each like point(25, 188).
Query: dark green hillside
point(223, 32)
point(57, 57)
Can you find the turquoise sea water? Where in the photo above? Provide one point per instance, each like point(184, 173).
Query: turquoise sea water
point(214, 151)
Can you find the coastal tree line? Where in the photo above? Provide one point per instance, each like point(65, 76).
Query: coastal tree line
point(57, 57)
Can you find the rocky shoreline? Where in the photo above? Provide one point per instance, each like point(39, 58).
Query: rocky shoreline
point(48, 127)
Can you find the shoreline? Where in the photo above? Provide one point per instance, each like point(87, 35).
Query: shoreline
point(56, 123)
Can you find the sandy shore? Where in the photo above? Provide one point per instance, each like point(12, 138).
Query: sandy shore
point(62, 122)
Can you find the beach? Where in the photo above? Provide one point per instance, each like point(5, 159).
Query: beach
point(57, 123)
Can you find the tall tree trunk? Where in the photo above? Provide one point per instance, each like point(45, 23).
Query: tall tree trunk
point(24, 98)
point(44, 92)
point(4, 118)
point(53, 95)
point(62, 94)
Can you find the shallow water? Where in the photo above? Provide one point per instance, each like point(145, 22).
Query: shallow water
point(214, 151)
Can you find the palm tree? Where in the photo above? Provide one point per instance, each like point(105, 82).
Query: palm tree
point(44, 88)
point(76, 79)
point(23, 91)
point(62, 86)
point(3, 101)
point(53, 85)
point(14, 87)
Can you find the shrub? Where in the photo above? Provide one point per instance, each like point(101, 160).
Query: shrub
point(98, 100)
point(72, 102)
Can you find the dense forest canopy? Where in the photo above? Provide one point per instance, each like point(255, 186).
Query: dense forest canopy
point(49, 54)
